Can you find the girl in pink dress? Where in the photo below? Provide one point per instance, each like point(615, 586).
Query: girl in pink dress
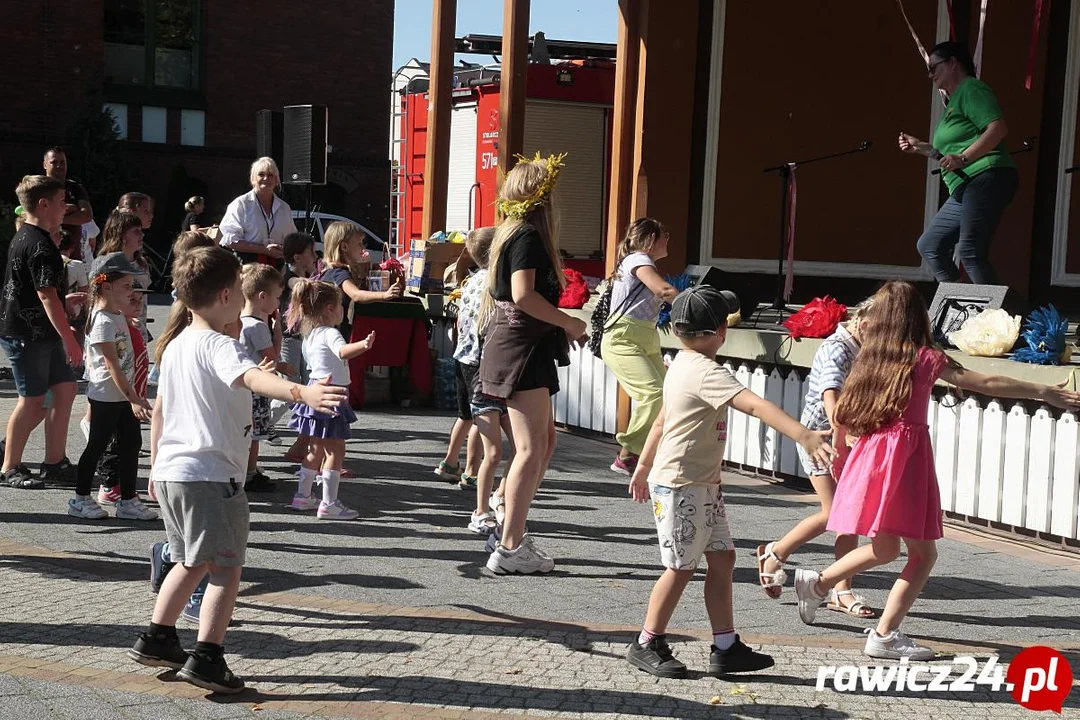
point(888, 490)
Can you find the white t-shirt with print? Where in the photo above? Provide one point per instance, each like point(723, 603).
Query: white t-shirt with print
point(322, 353)
point(106, 327)
point(206, 428)
point(645, 305)
point(697, 391)
point(468, 343)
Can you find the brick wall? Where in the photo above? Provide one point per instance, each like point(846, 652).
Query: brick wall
point(265, 55)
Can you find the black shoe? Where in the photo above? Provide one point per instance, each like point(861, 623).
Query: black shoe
point(159, 567)
point(159, 651)
point(259, 482)
point(655, 658)
point(60, 473)
point(736, 659)
point(211, 674)
point(21, 477)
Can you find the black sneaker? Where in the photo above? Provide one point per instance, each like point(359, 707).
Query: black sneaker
point(655, 658)
point(259, 482)
point(736, 659)
point(60, 473)
point(159, 567)
point(211, 674)
point(21, 477)
point(159, 651)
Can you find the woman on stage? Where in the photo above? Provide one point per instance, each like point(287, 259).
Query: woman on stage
point(982, 180)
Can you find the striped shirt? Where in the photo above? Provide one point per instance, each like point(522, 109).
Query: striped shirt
point(832, 363)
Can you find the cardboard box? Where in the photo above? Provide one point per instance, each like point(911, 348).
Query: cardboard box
point(427, 263)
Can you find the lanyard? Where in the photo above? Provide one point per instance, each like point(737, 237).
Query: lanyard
point(270, 220)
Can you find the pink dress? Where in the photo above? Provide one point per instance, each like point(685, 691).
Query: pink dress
point(889, 484)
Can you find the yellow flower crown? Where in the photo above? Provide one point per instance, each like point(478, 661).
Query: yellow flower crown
point(518, 209)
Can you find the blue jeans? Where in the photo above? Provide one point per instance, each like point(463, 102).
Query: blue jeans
point(967, 221)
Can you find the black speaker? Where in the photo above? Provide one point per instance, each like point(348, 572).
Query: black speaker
point(269, 135)
point(305, 145)
point(717, 278)
point(954, 303)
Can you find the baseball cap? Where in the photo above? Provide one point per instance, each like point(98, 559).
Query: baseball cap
point(115, 263)
point(701, 310)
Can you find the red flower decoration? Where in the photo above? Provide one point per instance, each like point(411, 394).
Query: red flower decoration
point(817, 319)
point(576, 292)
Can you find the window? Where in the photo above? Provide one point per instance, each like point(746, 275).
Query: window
point(153, 43)
point(155, 122)
point(192, 127)
point(119, 112)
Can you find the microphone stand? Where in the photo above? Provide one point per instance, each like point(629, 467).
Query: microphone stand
point(779, 304)
point(1028, 145)
point(1070, 171)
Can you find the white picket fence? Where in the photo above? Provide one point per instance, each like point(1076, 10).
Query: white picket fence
point(995, 461)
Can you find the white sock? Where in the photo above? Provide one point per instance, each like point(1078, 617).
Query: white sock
point(307, 480)
point(330, 481)
point(724, 639)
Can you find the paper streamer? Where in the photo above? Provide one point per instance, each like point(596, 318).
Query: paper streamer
point(952, 23)
point(789, 276)
point(922, 49)
point(979, 42)
point(1040, 8)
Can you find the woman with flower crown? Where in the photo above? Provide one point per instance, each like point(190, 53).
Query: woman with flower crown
point(524, 337)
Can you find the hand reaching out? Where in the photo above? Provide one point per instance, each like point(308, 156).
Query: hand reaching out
point(368, 342)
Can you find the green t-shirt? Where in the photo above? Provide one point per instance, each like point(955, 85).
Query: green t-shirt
point(971, 108)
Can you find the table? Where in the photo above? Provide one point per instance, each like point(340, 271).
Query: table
point(401, 338)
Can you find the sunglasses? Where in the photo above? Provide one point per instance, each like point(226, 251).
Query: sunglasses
point(934, 66)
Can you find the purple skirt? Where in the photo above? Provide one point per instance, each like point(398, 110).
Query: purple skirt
point(306, 421)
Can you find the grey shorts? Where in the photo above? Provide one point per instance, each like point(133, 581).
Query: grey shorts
point(809, 465)
point(690, 520)
point(205, 522)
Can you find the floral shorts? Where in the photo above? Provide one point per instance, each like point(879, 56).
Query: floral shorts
point(690, 520)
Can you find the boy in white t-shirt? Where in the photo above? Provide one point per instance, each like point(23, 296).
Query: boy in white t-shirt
point(263, 286)
point(687, 441)
point(199, 439)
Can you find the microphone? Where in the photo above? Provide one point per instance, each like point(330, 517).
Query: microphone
point(936, 155)
point(865, 145)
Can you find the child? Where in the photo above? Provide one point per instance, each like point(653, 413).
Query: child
point(36, 336)
point(300, 263)
point(316, 309)
point(117, 407)
point(687, 441)
point(889, 490)
point(343, 251)
point(262, 286)
point(489, 414)
point(78, 282)
point(832, 363)
point(198, 449)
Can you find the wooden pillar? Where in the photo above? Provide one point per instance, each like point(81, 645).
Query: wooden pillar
point(624, 141)
point(437, 163)
point(514, 77)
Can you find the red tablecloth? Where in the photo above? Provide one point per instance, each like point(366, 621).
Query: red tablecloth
point(398, 342)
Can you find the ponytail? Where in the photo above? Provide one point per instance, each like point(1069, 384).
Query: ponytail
point(310, 299)
point(179, 318)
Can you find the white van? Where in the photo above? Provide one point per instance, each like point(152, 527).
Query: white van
point(320, 221)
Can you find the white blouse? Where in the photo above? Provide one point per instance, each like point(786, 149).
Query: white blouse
point(245, 221)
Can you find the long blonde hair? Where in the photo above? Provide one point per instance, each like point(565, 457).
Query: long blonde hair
point(179, 318)
point(523, 182)
point(337, 236)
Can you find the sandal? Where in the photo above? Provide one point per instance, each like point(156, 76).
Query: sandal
point(858, 609)
point(468, 482)
point(770, 580)
point(19, 477)
point(483, 524)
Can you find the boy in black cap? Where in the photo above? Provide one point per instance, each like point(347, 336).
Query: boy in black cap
point(680, 469)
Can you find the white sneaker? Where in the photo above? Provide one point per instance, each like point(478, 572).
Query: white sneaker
point(894, 647)
point(86, 508)
point(133, 509)
point(526, 559)
point(304, 502)
point(336, 511)
point(806, 592)
point(84, 425)
point(498, 504)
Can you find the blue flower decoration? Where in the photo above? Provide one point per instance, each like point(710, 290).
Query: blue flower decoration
point(680, 283)
point(1044, 332)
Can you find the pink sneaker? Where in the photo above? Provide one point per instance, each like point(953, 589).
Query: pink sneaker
point(107, 495)
point(624, 466)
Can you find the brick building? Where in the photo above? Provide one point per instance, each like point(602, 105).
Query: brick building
point(184, 79)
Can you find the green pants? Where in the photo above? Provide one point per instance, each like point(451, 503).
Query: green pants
point(631, 349)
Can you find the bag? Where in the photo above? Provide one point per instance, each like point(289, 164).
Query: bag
point(598, 324)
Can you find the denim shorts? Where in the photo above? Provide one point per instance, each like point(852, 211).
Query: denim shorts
point(37, 365)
